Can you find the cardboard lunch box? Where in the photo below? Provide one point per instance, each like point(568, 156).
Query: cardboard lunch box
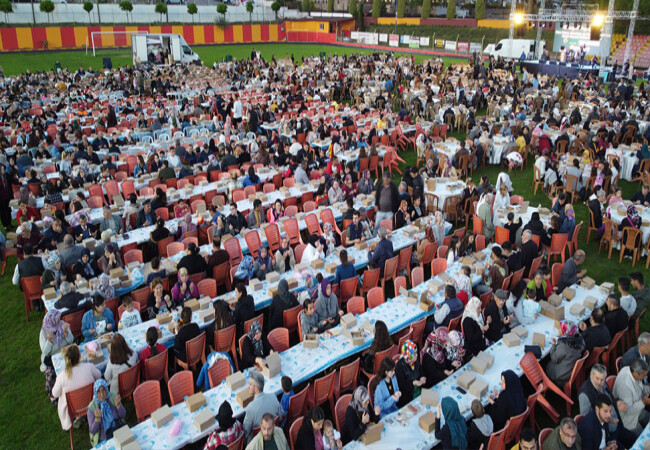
point(479, 365)
point(244, 397)
point(372, 434)
point(429, 397)
point(273, 366)
point(466, 379)
point(235, 381)
point(162, 416)
point(487, 357)
point(194, 402)
point(577, 309)
point(123, 436)
point(204, 420)
point(255, 285)
point(317, 264)
point(272, 277)
point(521, 331)
point(569, 293)
point(607, 288)
point(540, 340)
point(348, 321)
point(588, 283)
point(193, 304)
point(555, 300)
point(310, 341)
point(511, 340)
point(292, 282)
point(590, 302)
point(427, 421)
point(478, 388)
point(354, 336)
point(206, 315)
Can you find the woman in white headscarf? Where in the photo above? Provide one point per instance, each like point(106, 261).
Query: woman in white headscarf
point(474, 327)
point(504, 178)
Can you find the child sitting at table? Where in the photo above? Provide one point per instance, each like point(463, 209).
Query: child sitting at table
point(153, 347)
point(131, 316)
point(512, 227)
point(287, 393)
point(331, 437)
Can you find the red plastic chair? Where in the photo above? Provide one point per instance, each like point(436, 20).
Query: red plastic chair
point(128, 380)
point(543, 435)
point(313, 224)
point(279, 339)
point(346, 378)
point(375, 297)
point(248, 323)
point(347, 289)
point(133, 256)
point(147, 399)
point(234, 250)
point(322, 391)
point(577, 369)
point(417, 276)
point(438, 266)
point(272, 233)
point(194, 352)
point(340, 409)
point(32, 291)
point(293, 432)
point(480, 243)
point(501, 235)
point(253, 242)
point(390, 270)
point(497, 440)
point(174, 248)
point(155, 367)
point(538, 378)
point(180, 386)
point(356, 305)
point(400, 282)
point(78, 401)
point(293, 231)
point(417, 328)
point(370, 280)
point(224, 341)
point(558, 244)
point(297, 405)
point(207, 287)
point(290, 318)
point(218, 372)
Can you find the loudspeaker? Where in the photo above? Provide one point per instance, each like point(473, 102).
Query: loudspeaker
point(107, 63)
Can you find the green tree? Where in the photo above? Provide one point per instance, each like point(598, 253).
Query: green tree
point(360, 17)
point(7, 8)
point(192, 9)
point(47, 6)
point(222, 9)
point(426, 9)
point(479, 10)
point(451, 9)
point(376, 8)
point(275, 7)
point(401, 8)
point(127, 7)
point(330, 6)
point(88, 7)
point(249, 9)
point(306, 6)
point(352, 8)
point(161, 8)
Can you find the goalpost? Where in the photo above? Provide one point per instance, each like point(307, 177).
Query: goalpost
point(114, 33)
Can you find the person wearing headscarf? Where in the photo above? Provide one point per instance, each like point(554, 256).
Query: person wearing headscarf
point(453, 434)
point(54, 336)
point(328, 239)
point(568, 349)
point(435, 365)
point(359, 415)
point(504, 179)
point(281, 302)
point(484, 212)
point(86, 268)
point(184, 289)
point(429, 238)
point(104, 287)
point(105, 413)
point(263, 263)
point(366, 185)
point(569, 221)
point(284, 256)
point(409, 373)
point(502, 199)
point(438, 227)
point(314, 250)
point(228, 431)
point(254, 348)
point(455, 349)
point(186, 224)
point(508, 402)
point(52, 276)
point(632, 220)
point(327, 306)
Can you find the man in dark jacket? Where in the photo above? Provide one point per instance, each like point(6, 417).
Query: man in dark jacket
point(528, 251)
point(386, 200)
point(639, 351)
point(500, 319)
point(69, 298)
point(595, 333)
point(382, 252)
point(641, 292)
point(571, 272)
point(595, 207)
point(31, 265)
point(594, 429)
point(236, 220)
point(146, 216)
point(616, 319)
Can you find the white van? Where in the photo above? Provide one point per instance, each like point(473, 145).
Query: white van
point(519, 46)
point(159, 48)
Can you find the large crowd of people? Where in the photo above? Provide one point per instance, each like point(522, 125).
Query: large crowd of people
point(70, 135)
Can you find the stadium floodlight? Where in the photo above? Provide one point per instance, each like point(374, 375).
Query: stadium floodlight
point(598, 20)
point(519, 18)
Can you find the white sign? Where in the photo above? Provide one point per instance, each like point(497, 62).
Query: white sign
point(383, 37)
point(475, 47)
point(393, 40)
point(354, 35)
point(450, 45)
point(424, 41)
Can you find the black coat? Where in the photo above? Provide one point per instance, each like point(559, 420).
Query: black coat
point(494, 331)
point(277, 309)
point(248, 352)
point(474, 338)
point(244, 310)
point(185, 334)
point(616, 321)
point(31, 266)
point(591, 431)
point(594, 207)
point(305, 439)
point(527, 253)
point(354, 427)
point(405, 377)
point(193, 263)
point(596, 336)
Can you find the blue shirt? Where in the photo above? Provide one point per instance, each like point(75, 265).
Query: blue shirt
point(344, 273)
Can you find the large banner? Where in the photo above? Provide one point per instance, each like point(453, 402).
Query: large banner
point(405, 39)
point(354, 35)
point(450, 45)
point(414, 43)
point(440, 43)
point(393, 40)
point(475, 47)
point(383, 37)
point(463, 47)
point(424, 41)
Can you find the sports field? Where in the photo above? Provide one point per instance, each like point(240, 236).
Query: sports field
point(27, 419)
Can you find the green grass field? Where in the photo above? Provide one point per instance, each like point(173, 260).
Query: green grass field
point(15, 63)
point(28, 420)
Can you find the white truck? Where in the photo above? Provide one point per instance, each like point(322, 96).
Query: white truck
point(519, 46)
point(161, 49)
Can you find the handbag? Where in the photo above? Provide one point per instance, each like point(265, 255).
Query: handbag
point(535, 350)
